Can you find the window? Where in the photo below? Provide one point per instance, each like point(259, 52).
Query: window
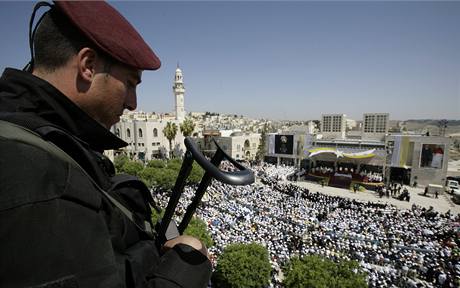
point(155, 132)
point(140, 133)
point(117, 132)
point(327, 124)
point(128, 133)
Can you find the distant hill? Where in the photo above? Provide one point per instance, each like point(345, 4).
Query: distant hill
point(431, 125)
point(434, 121)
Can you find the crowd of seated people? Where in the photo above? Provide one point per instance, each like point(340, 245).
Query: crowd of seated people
point(394, 247)
point(280, 172)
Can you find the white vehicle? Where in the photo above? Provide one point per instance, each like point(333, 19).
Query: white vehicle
point(452, 187)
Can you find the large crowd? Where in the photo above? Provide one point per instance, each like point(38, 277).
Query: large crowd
point(418, 247)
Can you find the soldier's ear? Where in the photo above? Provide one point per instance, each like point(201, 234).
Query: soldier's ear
point(86, 62)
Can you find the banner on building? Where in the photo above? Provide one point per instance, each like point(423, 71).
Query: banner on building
point(284, 144)
point(432, 156)
point(402, 152)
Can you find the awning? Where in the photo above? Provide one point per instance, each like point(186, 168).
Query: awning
point(360, 155)
point(339, 154)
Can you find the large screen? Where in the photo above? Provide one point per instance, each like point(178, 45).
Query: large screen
point(284, 144)
point(432, 156)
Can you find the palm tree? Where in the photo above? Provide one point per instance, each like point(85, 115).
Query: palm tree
point(170, 132)
point(261, 150)
point(187, 127)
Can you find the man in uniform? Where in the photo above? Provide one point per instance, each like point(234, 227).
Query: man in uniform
point(57, 229)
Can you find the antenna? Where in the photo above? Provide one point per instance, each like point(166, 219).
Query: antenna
point(30, 65)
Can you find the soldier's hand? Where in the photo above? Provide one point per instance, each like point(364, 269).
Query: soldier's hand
point(188, 240)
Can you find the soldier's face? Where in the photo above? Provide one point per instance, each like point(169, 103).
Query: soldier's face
point(115, 90)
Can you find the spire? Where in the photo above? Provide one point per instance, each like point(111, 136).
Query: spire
point(179, 91)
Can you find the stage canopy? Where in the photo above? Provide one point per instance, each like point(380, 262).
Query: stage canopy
point(340, 154)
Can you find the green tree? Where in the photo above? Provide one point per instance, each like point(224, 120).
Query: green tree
point(119, 161)
point(132, 168)
point(317, 272)
point(261, 150)
point(243, 266)
point(187, 127)
point(170, 132)
point(198, 229)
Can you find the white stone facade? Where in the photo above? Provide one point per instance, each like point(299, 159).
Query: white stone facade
point(145, 138)
point(240, 146)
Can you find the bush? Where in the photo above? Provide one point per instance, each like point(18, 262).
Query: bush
point(198, 229)
point(196, 174)
point(156, 216)
point(166, 178)
point(150, 176)
point(318, 272)
point(164, 174)
point(119, 161)
point(174, 164)
point(132, 168)
point(156, 163)
point(243, 266)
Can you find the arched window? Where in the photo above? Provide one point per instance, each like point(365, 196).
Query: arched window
point(128, 133)
point(140, 133)
point(155, 132)
point(117, 132)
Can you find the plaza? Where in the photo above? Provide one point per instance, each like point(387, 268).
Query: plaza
point(441, 204)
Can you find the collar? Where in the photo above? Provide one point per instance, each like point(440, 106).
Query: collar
point(45, 101)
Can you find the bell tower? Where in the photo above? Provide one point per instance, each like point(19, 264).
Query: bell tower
point(179, 91)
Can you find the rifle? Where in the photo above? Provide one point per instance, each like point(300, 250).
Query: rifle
point(167, 228)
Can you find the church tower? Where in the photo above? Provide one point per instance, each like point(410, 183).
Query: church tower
point(179, 92)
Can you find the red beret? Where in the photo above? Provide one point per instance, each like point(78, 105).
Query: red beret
point(111, 32)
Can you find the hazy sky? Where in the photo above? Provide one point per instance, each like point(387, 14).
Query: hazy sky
point(289, 60)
